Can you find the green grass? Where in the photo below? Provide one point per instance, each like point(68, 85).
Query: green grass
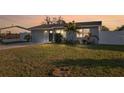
point(40, 60)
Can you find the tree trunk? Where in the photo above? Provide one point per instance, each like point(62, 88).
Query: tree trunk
point(71, 36)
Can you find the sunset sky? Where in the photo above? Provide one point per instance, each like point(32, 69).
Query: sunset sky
point(111, 21)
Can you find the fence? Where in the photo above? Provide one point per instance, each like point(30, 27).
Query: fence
point(113, 38)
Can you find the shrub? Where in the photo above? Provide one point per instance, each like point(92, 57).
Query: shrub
point(27, 37)
point(58, 38)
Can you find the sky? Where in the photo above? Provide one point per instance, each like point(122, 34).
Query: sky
point(111, 21)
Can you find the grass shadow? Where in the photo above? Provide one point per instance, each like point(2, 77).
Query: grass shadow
point(90, 63)
point(99, 47)
point(106, 47)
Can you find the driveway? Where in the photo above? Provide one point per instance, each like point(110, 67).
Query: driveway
point(15, 45)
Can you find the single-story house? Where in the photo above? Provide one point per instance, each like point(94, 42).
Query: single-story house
point(46, 33)
point(13, 34)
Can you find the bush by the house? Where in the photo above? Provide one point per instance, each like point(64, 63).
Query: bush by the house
point(27, 37)
point(58, 38)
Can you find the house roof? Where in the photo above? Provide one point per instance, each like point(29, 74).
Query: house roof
point(13, 27)
point(89, 23)
point(56, 26)
point(50, 26)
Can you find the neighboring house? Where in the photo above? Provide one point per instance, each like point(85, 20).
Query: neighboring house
point(13, 34)
point(46, 33)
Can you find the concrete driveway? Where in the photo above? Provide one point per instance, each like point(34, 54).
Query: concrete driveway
point(15, 45)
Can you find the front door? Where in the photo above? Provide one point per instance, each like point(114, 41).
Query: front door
point(50, 37)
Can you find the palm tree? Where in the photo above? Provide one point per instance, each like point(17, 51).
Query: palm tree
point(71, 32)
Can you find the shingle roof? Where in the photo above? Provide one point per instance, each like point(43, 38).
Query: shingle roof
point(13, 27)
point(89, 23)
point(48, 26)
point(51, 26)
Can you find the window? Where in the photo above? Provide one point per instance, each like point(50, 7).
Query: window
point(86, 32)
point(83, 32)
point(58, 31)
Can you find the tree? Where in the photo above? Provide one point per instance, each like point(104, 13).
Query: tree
point(58, 38)
point(55, 20)
point(121, 28)
point(47, 20)
point(104, 28)
point(71, 32)
point(60, 20)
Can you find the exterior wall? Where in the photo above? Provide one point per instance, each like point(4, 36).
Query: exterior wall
point(46, 36)
point(40, 36)
point(95, 31)
point(43, 36)
point(10, 40)
point(71, 36)
point(95, 35)
point(20, 39)
point(114, 38)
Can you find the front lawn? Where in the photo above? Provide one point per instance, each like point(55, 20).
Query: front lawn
point(81, 60)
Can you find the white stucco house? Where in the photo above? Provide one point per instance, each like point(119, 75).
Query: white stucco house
point(46, 33)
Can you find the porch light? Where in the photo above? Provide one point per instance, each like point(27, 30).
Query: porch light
point(51, 32)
